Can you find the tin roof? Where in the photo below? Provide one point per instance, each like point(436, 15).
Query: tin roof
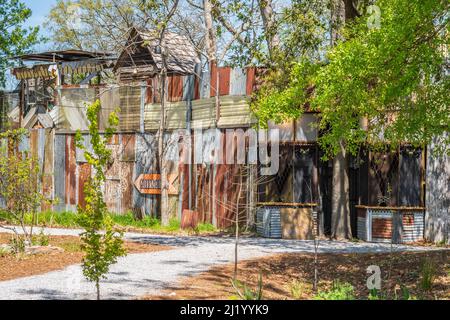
point(181, 54)
point(62, 56)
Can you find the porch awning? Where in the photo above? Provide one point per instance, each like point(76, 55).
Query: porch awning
point(46, 71)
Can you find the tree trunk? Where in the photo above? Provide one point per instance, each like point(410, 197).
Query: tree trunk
point(97, 287)
point(162, 168)
point(341, 11)
point(340, 215)
point(211, 47)
point(269, 24)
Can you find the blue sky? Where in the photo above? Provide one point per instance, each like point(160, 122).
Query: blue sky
point(40, 9)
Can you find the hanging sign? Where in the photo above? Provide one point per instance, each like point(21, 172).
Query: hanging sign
point(151, 184)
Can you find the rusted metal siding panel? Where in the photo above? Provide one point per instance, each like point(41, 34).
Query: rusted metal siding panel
point(238, 82)
point(225, 188)
point(113, 195)
point(175, 88)
point(70, 169)
point(128, 142)
point(126, 176)
point(251, 78)
point(34, 141)
point(110, 101)
point(413, 226)
point(224, 80)
point(153, 94)
point(130, 104)
point(146, 149)
point(59, 172)
point(84, 176)
point(387, 225)
point(203, 113)
point(48, 169)
point(203, 192)
point(190, 219)
point(24, 144)
point(70, 114)
point(204, 85)
point(362, 224)
point(175, 116)
point(113, 192)
point(79, 153)
point(235, 112)
point(189, 87)
point(41, 149)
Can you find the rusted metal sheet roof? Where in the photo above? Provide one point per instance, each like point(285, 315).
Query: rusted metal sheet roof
point(62, 56)
point(44, 71)
point(36, 117)
point(181, 54)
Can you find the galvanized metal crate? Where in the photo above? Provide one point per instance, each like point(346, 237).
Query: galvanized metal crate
point(268, 222)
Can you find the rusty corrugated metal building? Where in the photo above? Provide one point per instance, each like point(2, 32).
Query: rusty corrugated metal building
point(387, 190)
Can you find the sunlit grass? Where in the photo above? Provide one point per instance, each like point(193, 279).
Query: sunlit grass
point(70, 220)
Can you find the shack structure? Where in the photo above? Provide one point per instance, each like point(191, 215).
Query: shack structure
point(207, 108)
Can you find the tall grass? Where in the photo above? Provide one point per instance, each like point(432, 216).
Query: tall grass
point(428, 274)
point(70, 220)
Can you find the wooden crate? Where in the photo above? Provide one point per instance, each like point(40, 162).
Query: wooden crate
point(396, 225)
point(298, 223)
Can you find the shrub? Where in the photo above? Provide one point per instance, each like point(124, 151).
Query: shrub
point(245, 293)
point(17, 244)
point(19, 183)
point(42, 239)
point(338, 291)
point(427, 274)
point(297, 288)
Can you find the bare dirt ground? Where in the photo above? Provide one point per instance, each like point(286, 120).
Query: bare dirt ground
point(290, 276)
point(12, 266)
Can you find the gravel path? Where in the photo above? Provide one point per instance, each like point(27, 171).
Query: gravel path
point(148, 273)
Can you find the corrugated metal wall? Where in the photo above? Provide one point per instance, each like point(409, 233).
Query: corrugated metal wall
point(390, 225)
point(208, 188)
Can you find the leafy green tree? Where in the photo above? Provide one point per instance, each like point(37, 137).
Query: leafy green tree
point(101, 243)
point(393, 76)
point(380, 84)
point(14, 38)
point(19, 184)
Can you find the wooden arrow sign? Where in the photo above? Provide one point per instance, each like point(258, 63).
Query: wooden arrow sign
point(151, 184)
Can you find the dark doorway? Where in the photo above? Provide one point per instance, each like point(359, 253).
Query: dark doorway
point(326, 185)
